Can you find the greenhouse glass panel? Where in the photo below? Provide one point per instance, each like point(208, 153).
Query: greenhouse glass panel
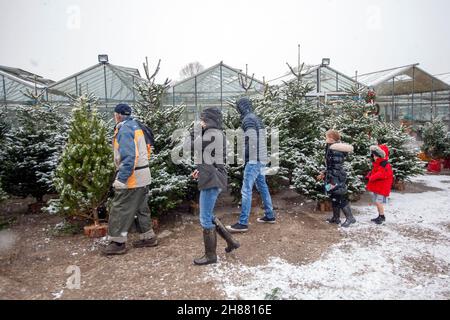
point(109, 83)
point(15, 91)
point(210, 88)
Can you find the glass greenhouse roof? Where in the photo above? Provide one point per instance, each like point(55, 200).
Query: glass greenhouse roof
point(108, 82)
point(329, 79)
point(403, 81)
point(211, 87)
point(14, 87)
point(445, 77)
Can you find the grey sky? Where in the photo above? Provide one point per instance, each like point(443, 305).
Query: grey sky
point(56, 38)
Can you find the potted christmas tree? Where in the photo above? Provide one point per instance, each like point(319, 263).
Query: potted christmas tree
point(85, 172)
point(435, 144)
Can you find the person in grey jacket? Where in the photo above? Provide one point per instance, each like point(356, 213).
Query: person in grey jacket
point(210, 146)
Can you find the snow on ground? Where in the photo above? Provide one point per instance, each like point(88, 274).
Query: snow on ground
point(407, 258)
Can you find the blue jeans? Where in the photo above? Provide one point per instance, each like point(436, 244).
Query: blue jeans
point(208, 199)
point(254, 173)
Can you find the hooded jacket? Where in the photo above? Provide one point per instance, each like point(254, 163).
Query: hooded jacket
point(212, 172)
point(335, 155)
point(131, 155)
point(381, 177)
point(255, 146)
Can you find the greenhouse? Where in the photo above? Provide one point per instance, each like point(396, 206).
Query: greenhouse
point(111, 84)
point(17, 85)
point(328, 85)
point(212, 88)
point(409, 94)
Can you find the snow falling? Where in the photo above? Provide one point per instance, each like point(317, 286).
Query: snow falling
point(407, 258)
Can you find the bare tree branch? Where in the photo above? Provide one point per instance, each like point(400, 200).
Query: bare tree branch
point(191, 69)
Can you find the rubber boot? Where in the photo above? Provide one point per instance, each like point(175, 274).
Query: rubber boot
point(349, 217)
point(223, 232)
point(336, 218)
point(210, 240)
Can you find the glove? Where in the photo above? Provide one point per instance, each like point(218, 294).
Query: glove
point(119, 185)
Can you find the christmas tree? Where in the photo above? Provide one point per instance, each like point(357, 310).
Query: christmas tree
point(3, 195)
point(35, 145)
point(171, 183)
point(85, 172)
point(436, 143)
point(404, 160)
point(301, 131)
point(4, 129)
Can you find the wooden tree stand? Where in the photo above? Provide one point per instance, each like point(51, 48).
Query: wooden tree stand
point(194, 208)
point(155, 224)
point(399, 185)
point(324, 206)
point(97, 230)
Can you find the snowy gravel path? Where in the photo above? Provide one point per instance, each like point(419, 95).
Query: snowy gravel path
point(407, 258)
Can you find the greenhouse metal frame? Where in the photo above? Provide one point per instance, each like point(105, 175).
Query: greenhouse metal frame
point(212, 87)
point(409, 94)
point(110, 84)
point(16, 85)
point(328, 84)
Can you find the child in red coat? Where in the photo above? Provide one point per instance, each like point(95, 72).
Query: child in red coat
point(380, 180)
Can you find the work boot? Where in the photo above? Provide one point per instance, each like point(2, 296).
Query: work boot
point(147, 243)
point(349, 217)
point(336, 218)
point(210, 240)
point(380, 220)
point(114, 248)
point(223, 232)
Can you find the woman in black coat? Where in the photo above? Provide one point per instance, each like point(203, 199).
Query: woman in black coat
point(209, 145)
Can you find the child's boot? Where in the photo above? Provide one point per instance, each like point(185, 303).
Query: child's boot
point(380, 220)
point(336, 216)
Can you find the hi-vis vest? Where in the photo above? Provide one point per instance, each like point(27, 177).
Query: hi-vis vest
point(131, 155)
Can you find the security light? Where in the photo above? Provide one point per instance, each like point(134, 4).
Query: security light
point(103, 58)
point(326, 61)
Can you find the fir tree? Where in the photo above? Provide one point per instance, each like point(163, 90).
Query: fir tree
point(85, 172)
point(301, 131)
point(33, 149)
point(4, 129)
point(436, 143)
point(171, 183)
point(404, 160)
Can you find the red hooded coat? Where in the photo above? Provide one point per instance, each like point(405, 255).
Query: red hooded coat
point(381, 177)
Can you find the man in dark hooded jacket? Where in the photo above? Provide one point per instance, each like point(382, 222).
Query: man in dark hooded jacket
point(255, 156)
point(209, 144)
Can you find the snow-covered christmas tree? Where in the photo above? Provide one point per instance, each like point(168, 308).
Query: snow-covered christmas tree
point(34, 146)
point(4, 129)
point(404, 160)
point(85, 172)
point(436, 143)
point(171, 183)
